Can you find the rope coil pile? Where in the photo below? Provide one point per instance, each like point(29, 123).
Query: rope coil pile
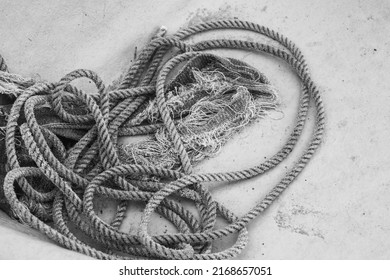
point(59, 184)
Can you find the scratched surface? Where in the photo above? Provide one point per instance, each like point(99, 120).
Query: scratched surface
point(339, 206)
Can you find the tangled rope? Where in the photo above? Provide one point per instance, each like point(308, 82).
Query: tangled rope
point(59, 184)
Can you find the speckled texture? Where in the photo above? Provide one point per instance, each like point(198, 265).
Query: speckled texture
point(339, 207)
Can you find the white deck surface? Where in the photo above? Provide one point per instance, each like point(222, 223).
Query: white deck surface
point(338, 208)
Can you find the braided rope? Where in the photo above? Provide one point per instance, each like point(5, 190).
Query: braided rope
point(92, 167)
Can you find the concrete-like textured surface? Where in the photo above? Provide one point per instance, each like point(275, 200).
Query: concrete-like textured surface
point(339, 207)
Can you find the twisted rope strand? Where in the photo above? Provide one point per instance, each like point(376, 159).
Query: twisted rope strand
point(91, 167)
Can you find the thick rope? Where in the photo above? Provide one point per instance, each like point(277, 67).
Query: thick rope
point(91, 167)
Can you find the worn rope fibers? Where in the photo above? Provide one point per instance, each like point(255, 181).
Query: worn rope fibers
point(60, 183)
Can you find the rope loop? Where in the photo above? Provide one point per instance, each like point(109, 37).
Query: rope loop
point(64, 154)
point(63, 85)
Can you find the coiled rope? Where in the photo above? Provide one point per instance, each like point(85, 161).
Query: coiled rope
point(92, 167)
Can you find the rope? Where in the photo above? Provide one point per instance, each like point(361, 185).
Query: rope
point(75, 176)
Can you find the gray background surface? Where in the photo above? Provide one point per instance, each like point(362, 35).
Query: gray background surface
point(339, 207)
